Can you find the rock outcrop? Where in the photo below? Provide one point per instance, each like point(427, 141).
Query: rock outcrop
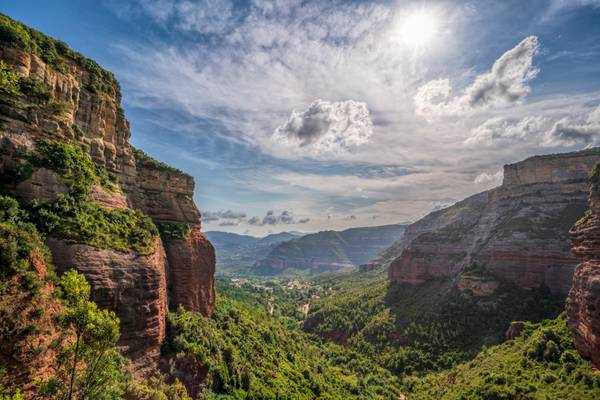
point(583, 302)
point(518, 231)
point(67, 98)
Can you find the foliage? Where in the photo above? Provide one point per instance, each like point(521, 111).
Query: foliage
point(75, 166)
point(250, 355)
point(91, 367)
point(144, 160)
point(56, 53)
point(81, 221)
point(539, 364)
point(9, 80)
point(170, 232)
point(156, 389)
point(18, 240)
point(35, 89)
point(416, 329)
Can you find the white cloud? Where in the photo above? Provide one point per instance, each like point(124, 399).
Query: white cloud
point(499, 130)
point(487, 178)
point(571, 131)
point(505, 84)
point(201, 16)
point(576, 129)
point(327, 127)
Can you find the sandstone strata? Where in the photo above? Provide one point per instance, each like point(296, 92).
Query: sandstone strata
point(518, 231)
point(583, 302)
point(134, 286)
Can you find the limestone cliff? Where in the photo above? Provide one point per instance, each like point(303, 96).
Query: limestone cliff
point(583, 302)
point(518, 231)
point(64, 97)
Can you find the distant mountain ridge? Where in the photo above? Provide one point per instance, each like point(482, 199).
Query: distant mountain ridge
point(236, 253)
point(328, 250)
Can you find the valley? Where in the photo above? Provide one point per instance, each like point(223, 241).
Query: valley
point(113, 287)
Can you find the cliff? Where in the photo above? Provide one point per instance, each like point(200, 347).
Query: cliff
point(583, 302)
point(328, 250)
point(518, 231)
point(56, 104)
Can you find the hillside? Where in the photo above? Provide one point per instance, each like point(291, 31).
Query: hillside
point(328, 251)
point(540, 363)
point(236, 254)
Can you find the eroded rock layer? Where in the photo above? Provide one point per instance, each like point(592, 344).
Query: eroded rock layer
point(518, 231)
point(71, 99)
point(583, 302)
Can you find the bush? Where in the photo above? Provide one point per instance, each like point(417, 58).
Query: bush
point(9, 81)
point(80, 221)
point(75, 166)
point(170, 232)
point(35, 89)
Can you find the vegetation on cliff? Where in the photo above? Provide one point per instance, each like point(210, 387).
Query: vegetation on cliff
point(541, 363)
point(55, 53)
point(55, 342)
point(170, 232)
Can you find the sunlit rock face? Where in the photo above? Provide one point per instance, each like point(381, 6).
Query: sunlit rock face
point(518, 231)
point(583, 302)
point(135, 286)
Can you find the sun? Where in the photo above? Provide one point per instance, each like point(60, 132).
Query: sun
point(418, 28)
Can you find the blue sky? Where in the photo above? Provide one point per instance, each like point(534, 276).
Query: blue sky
point(310, 115)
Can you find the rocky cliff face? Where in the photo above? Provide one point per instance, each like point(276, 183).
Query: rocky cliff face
point(583, 302)
point(70, 99)
point(518, 231)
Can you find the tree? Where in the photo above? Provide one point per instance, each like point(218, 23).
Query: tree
point(95, 369)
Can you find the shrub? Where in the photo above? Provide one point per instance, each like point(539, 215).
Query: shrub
point(9, 81)
point(74, 165)
point(80, 221)
point(170, 232)
point(35, 89)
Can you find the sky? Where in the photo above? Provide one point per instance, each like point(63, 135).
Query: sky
point(312, 115)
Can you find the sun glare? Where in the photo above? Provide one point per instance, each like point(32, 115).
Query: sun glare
point(419, 28)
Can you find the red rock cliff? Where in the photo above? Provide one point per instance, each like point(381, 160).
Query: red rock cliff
point(134, 286)
point(518, 231)
point(583, 302)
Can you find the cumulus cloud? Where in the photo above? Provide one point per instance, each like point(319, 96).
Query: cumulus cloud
point(227, 217)
point(487, 178)
point(497, 130)
point(506, 83)
point(570, 131)
point(327, 127)
point(582, 129)
point(350, 218)
point(271, 218)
